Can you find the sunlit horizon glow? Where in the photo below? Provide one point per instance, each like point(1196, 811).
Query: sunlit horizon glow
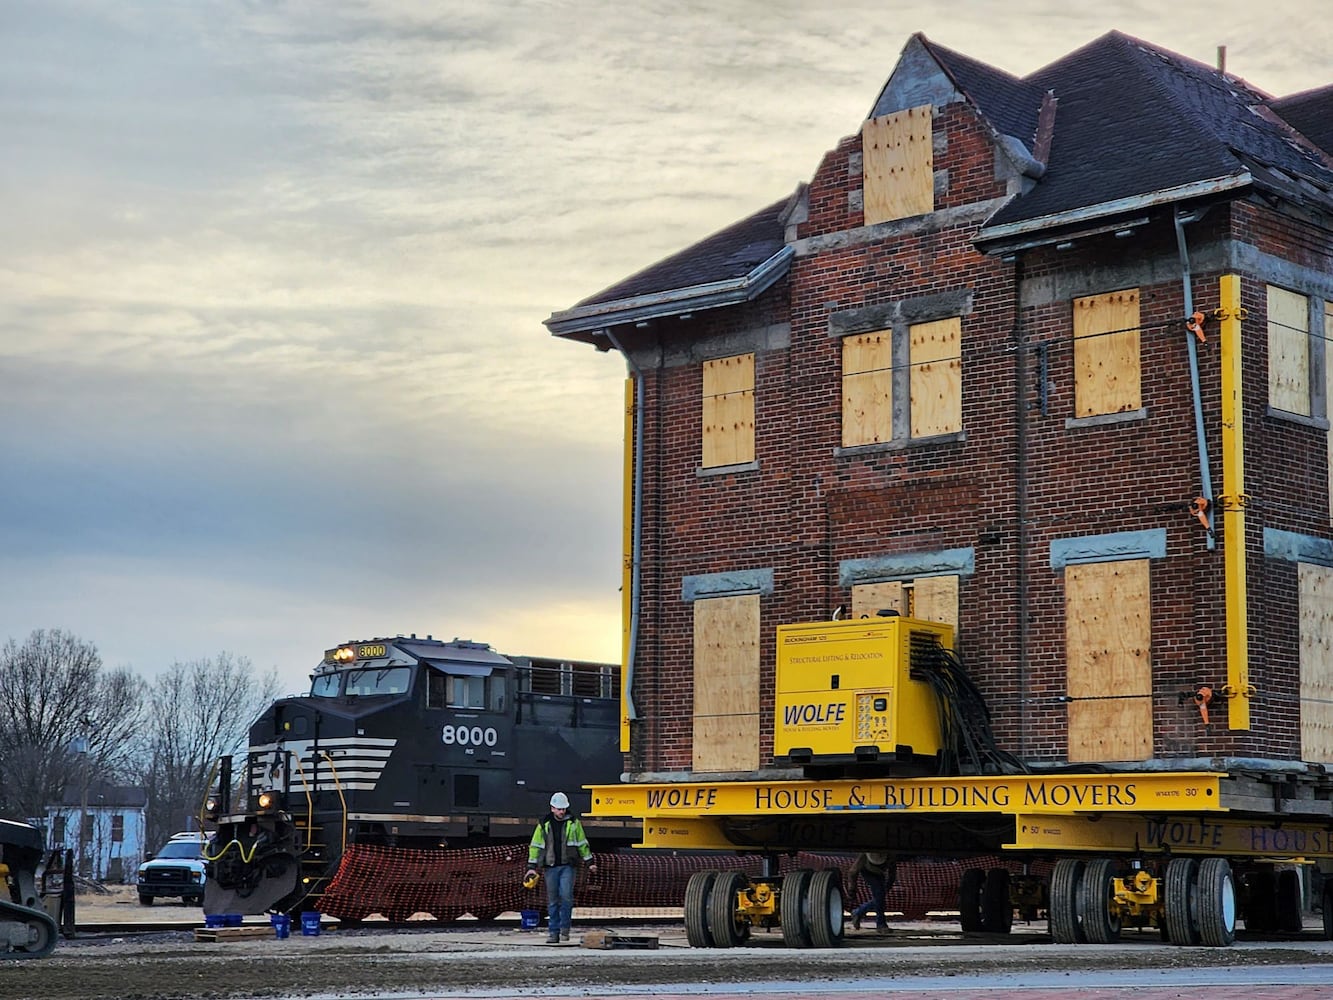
point(274, 275)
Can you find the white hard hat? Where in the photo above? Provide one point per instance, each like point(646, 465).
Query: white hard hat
point(559, 801)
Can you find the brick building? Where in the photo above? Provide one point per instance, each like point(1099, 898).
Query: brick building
point(956, 374)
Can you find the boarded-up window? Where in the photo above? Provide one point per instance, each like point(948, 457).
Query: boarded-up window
point(726, 684)
point(867, 388)
point(936, 378)
point(1316, 609)
point(1108, 649)
point(898, 164)
point(1106, 353)
point(728, 411)
point(932, 598)
point(1288, 351)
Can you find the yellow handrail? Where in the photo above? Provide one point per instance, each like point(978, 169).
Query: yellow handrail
point(337, 783)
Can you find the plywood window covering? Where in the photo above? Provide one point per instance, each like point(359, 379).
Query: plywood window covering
point(898, 164)
point(726, 684)
point(933, 598)
point(936, 379)
point(1288, 351)
point(1106, 353)
point(1108, 649)
point(728, 411)
point(1316, 708)
point(867, 388)
point(869, 599)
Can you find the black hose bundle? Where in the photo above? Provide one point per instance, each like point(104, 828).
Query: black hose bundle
point(966, 738)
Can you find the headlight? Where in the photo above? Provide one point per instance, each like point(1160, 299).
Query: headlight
point(268, 801)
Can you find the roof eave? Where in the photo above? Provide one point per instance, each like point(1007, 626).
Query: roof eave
point(1003, 234)
point(598, 316)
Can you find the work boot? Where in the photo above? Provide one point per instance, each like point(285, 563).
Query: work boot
point(856, 921)
point(554, 938)
point(564, 934)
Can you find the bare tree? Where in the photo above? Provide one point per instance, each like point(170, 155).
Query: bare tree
point(56, 695)
point(197, 711)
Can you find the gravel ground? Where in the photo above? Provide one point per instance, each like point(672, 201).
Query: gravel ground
point(373, 962)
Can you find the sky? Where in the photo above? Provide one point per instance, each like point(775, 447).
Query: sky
point(273, 276)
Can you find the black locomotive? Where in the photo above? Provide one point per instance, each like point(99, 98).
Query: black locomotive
point(406, 743)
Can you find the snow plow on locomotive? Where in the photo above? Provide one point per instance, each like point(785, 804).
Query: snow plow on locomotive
point(407, 748)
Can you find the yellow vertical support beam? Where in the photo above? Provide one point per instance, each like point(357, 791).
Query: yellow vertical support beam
point(1234, 501)
point(627, 564)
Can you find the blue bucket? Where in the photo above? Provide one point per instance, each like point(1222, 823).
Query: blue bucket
point(215, 920)
point(310, 923)
point(282, 925)
point(233, 919)
point(529, 919)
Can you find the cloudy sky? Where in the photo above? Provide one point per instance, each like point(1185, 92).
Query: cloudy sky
point(273, 274)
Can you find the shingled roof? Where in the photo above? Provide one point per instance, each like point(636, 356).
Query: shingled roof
point(1137, 124)
point(733, 265)
point(1311, 114)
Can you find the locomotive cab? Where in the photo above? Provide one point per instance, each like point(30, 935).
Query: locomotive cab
point(405, 743)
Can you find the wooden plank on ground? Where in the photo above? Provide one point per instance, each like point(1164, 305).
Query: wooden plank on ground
point(233, 933)
point(607, 940)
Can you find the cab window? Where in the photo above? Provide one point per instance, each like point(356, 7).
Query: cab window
point(324, 686)
point(387, 680)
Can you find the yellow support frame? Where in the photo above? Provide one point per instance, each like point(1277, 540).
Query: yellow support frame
point(627, 563)
point(1027, 794)
point(1234, 502)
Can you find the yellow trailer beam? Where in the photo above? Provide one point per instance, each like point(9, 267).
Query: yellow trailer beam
point(1032, 794)
point(1214, 835)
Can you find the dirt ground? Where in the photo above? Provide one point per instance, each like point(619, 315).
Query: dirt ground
point(371, 961)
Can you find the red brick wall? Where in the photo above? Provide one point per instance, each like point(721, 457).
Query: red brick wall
point(805, 509)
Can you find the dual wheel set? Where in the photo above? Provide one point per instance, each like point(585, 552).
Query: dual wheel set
point(1195, 902)
point(721, 907)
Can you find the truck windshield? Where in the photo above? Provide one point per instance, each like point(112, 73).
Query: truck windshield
point(180, 849)
point(386, 680)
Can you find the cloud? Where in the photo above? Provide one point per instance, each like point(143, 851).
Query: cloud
point(274, 273)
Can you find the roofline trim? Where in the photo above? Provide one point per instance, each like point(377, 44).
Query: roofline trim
point(1183, 192)
point(711, 295)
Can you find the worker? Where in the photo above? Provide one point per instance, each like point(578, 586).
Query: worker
point(558, 846)
point(880, 874)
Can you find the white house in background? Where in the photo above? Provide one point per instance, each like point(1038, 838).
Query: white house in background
point(113, 829)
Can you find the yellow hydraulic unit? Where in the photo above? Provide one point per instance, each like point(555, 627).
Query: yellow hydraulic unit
point(851, 692)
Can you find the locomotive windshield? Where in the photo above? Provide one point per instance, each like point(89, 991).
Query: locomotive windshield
point(325, 685)
point(385, 680)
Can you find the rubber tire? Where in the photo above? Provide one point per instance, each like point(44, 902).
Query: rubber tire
point(824, 908)
point(1217, 903)
point(792, 908)
point(726, 930)
point(1182, 881)
point(969, 900)
point(1261, 901)
point(1062, 904)
point(145, 900)
point(997, 911)
point(697, 891)
point(1289, 916)
point(1100, 924)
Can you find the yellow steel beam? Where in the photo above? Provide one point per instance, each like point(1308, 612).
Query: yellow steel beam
point(1027, 793)
point(1234, 502)
point(687, 833)
point(1176, 834)
point(627, 563)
